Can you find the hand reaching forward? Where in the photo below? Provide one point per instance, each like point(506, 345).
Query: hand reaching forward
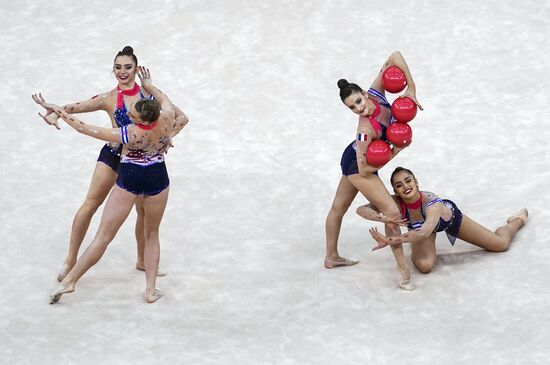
point(379, 238)
point(50, 117)
point(393, 219)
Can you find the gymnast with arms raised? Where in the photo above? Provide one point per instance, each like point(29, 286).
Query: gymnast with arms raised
point(425, 214)
point(374, 113)
point(141, 174)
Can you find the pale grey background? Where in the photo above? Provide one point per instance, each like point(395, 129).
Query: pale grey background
point(254, 174)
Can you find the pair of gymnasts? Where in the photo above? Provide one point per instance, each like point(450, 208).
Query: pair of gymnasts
point(423, 213)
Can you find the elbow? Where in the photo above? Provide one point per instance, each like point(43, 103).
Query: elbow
point(395, 57)
point(396, 54)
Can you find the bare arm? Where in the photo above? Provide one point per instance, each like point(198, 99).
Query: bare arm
point(104, 134)
point(371, 212)
point(397, 59)
point(101, 133)
point(89, 105)
point(165, 103)
point(180, 121)
point(362, 140)
point(433, 213)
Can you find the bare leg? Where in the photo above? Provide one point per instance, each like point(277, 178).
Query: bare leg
point(116, 211)
point(140, 232)
point(498, 241)
point(374, 190)
point(424, 254)
point(342, 200)
point(140, 237)
point(154, 207)
point(103, 180)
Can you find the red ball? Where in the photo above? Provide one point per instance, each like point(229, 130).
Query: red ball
point(394, 79)
point(378, 153)
point(403, 109)
point(400, 134)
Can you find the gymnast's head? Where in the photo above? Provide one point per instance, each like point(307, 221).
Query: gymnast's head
point(125, 65)
point(353, 97)
point(404, 182)
point(144, 111)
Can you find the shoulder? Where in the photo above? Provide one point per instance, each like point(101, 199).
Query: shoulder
point(109, 96)
point(376, 90)
point(130, 133)
point(145, 94)
point(429, 198)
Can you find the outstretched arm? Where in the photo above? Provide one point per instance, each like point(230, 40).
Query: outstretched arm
point(104, 134)
point(397, 59)
point(371, 213)
point(433, 213)
point(90, 105)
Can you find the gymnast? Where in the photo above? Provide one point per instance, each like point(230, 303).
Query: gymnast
point(105, 172)
point(374, 113)
point(142, 174)
point(425, 214)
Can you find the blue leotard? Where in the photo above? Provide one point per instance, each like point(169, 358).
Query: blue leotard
point(109, 154)
point(451, 227)
point(348, 163)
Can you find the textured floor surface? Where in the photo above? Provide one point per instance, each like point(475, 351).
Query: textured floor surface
point(254, 174)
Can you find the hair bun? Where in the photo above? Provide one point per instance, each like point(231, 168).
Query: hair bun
point(342, 83)
point(128, 50)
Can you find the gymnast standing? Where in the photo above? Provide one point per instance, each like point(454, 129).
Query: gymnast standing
point(105, 173)
point(425, 214)
point(142, 174)
point(374, 113)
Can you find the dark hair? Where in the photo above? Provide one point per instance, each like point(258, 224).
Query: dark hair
point(149, 110)
point(398, 170)
point(127, 51)
point(346, 89)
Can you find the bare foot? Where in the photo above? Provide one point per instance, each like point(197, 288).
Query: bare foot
point(64, 271)
point(160, 272)
point(151, 297)
point(340, 261)
point(523, 215)
point(62, 289)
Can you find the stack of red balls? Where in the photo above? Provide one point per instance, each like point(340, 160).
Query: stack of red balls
point(403, 110)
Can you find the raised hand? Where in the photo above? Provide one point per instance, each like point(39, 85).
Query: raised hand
point(144, 76)
point(50, 117)
point(379, 238)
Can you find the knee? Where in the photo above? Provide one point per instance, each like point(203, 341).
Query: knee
point(140, 210)
point(424, 265)
point(90, 205)
point(151, 233)
point(105, 236)
point(339, 208)
point(361, 211)
point(500, 247)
